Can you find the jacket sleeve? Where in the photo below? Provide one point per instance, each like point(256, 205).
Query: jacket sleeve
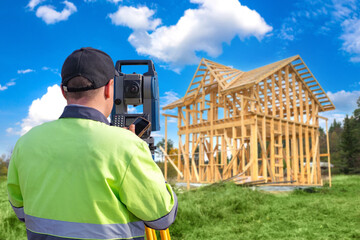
point(13, 188)
point(144, 192)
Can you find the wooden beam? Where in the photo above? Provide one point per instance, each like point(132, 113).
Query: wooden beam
point(172, 163)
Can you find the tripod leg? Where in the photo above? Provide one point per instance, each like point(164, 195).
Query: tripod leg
point(150, 233)
point(165, 234)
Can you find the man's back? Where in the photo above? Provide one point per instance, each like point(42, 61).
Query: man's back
point(80, 178)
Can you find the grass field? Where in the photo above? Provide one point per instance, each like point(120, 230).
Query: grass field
point(226, 211)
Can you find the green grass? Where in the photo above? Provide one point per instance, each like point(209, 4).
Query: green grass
point(227, 211)
point(10, 227)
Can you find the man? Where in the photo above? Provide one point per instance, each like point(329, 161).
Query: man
point(79, 178)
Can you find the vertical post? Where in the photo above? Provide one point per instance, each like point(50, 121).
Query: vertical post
point(313, 150)
point(264, 160)
point(295, 153)
point(166, 150)
point(179, 149)
point(301, 100)
point(301, 145)
point(254, 151)
point(307, 107)
point(280, 94)
point(266, 103)
point(243, 132)
point(212, 167)
point(234, 166)
point(273, 107)
point(307, 151)
point(287, 145)
point(186, 154)
point(287, 87)
point(272, 148)
point(328, 152)
point(295, 110)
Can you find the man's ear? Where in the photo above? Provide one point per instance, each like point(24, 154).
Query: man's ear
point(62, 91)
point(109, 88)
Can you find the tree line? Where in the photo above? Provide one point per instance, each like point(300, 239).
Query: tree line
point(344, 143)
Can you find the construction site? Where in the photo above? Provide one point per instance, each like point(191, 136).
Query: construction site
point(254, 127)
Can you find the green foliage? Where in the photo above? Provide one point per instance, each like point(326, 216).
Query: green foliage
point(227, 211)
point(10, 227)
point(4, 164)
point(344, 143)
point(171, 174)
point(170, 144)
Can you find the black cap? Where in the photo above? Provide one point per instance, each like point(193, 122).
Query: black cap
point(91, 63)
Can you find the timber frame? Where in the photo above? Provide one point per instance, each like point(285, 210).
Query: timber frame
point(260, 126)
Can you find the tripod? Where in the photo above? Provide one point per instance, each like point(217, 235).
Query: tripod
point(151, 235)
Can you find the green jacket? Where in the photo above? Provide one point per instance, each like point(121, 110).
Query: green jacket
point(80, 178)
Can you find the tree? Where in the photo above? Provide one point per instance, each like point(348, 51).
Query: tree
point(170, 144)
point(4, 164)
point(349, 145)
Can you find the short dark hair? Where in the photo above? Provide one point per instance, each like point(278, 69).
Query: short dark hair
point(80, 82)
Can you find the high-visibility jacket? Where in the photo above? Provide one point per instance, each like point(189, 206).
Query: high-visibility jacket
point(79, 178)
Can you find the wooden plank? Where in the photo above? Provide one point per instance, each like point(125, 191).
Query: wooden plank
point(280, 94)
point(254, 151)
point(301, 69)
point(272, 147)
point(299, 64)
point(314, 156)
point(198, 68)
point(234, 167)
point(307, 109)
point(273, 95)
point(165, 162)
point(287, 145)
point(169, 115)
point(288, 113)
point(307, 151)
point(294, 80)
point(263, 148)
point(172, 163)
point(301, 146)
point(295, 153)
point(328, 152)
point(301, 103)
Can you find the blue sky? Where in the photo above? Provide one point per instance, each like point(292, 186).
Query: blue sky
point(38, 35)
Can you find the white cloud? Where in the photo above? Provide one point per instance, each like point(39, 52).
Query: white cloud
point(132, 109)
point(12, 83)
point(115, 1)
point(9, 84)
point(330, 15)
point(2, 88)
point(47, 108)
point(345, 103)
point(135, 18)
point(50, 16)
point(204, 29)
point(25, 71)
point(53, 70)
point(33, 3)
point(157, 135)
point(169, 97)
point(351, 37)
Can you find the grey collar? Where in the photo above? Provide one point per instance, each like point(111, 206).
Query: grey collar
point(79, 111)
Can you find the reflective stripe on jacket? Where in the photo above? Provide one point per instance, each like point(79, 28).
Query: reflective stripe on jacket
point(79, 178)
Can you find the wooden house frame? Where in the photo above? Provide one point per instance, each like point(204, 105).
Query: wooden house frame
point(260, 126)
